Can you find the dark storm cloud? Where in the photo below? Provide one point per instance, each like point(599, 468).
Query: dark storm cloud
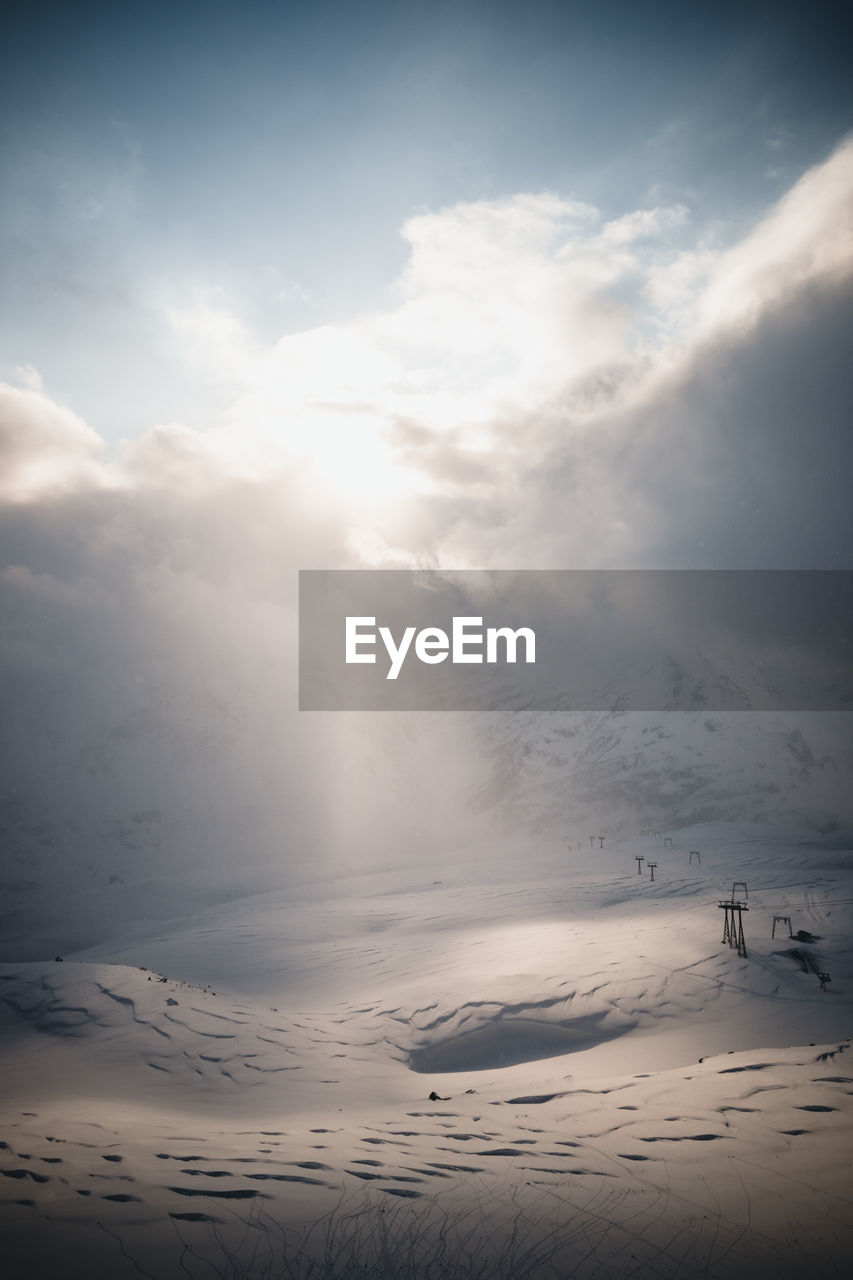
point(743, 463)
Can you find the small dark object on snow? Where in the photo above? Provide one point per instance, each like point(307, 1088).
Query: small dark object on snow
point(58, 960)
point(435, 1097)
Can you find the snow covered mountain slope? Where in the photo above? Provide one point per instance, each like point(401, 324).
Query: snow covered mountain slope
point(246, 1091)
point(553, 773)
point(167, 824)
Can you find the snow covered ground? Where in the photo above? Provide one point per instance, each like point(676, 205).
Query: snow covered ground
point(246, 1091)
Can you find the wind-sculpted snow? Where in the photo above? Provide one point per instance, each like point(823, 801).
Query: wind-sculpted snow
point(627, 1185)
point(532, 1064)
point(157, 1023)
point(505, 1038)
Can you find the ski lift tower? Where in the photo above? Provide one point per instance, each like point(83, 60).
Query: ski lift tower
point(733, 932)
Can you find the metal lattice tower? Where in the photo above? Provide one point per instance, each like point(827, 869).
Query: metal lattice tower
point(651, 866)
point(727, 931)
point(639, 860)
point(739, 884)
point(733, 932)
point(694, 853)
point(782, 920)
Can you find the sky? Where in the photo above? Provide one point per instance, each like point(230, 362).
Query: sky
point(261, 161)
point(368, 284)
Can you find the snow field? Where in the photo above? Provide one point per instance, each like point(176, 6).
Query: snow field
point(266, 1105)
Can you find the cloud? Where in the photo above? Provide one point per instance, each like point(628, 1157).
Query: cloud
point(807, 239)
point(539, 372)
point(702, 425)
point(45, 447)
point(550, 388)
